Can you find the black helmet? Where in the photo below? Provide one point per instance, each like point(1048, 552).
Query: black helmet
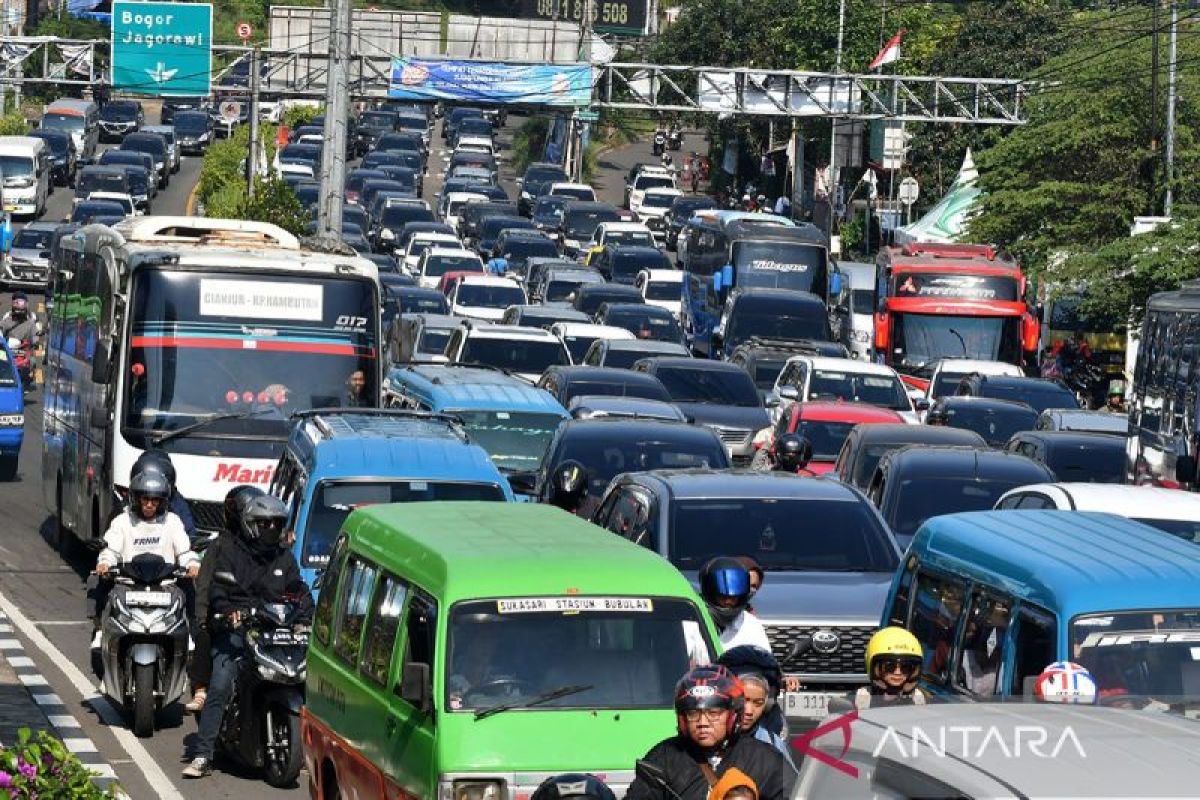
point(722, 578)
point(574, 784)
point(149, 482)
point(235, 502)
point(262, 520)
point(936, 415)
point(160, 458)
point(747, 659)
point(570, 485)
point(792, 452)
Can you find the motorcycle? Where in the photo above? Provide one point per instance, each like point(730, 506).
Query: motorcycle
point(660, 143)
point(22, 358)
point(144, 640)
point(1085, 381)
point(675, 139)
point(261, 725)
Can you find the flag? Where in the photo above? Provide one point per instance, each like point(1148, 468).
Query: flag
point(889, 53)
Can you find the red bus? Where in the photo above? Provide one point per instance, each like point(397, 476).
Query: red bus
point(940, 301)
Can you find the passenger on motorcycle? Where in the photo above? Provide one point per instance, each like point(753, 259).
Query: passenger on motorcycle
point(264, 570)
point(20, 322)
point(762, 681)
point(146, 527)
point(709, 703)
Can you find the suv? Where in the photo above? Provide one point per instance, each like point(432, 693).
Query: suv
point(156, 147)
point(643, 177)
point(1037, 393)
point(537, 181)
point(420, 337)
point(825, 588)
point(806, 378)
point(526, 352)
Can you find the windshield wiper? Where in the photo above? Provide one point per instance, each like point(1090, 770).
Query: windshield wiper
point(200, 423)
point(553, 694)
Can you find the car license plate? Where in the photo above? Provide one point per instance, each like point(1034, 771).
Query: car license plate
point(8, 207)
point(148, 598)
point(810, 705)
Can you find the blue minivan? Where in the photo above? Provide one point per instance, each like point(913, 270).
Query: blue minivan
point(994, 597)
point(504, 415)
point(12, 414)
point(337, 460)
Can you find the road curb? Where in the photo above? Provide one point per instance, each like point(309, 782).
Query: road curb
point(190, 208)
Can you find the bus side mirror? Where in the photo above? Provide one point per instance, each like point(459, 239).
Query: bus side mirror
point(835, 285)
point(1185, 470)
point(101, 361)
point(414, 687)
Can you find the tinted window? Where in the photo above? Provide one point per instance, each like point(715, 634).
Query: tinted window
point(382, 629)
point(581, 224)
point(709, 386)
point(518, 355)
point(1036, 646)
point(1095, 462)
point(485, 296)
point(983, 646)
point(648, 390)
point(514, 440)
point(996, 425)
point(935, 615)
point(33, 239)
point(423, 304)
point(1040, 395)
point(826, 438)
point(436, 266)
point(638, 451)
point(646, 324)
point(776, 321)
point(922, 498)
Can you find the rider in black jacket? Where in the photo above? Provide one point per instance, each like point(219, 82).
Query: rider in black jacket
point(708, 705)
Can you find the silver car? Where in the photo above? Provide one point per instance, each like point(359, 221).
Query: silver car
point(168, 133)
point(28, 262)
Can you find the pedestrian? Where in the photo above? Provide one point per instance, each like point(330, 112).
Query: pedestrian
point(783, 206)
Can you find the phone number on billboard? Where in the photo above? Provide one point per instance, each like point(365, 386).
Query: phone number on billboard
point(605, 13)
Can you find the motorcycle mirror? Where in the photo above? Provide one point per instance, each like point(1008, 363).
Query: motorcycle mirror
point(650, 773)
point(224, 578)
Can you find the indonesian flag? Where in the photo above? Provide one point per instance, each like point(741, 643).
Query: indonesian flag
point(889, 53)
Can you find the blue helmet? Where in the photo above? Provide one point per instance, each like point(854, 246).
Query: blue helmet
point(723, 579)
point(579, 785)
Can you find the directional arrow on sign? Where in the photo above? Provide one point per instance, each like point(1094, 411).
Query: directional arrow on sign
point(160, 73)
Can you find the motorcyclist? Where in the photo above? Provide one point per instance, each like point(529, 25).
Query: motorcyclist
point(264, 570)
point(762, 681)
point(792, 454)
point(709, 702)
point(573, 785)
point(20, 322)
point(1115, 404)
point(570, 489)
point(145, 528)
point(725, 587)
point(894, 660)
point(178, 505)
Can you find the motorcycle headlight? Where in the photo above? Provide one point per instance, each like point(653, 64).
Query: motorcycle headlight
point(478, 790)
point(12, 421)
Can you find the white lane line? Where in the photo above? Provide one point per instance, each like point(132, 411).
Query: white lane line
point(63, 721)
point(10, 644)
point(33, 680)
point(158, 780)
point(80, 745)
point(47, 699)
point(61, 622)
point(20, 661)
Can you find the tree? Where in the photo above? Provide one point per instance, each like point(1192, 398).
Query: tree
point(275, 202)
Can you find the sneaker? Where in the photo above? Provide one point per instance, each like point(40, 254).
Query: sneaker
point(199, 768)
point(196, 704)
point(96, 640)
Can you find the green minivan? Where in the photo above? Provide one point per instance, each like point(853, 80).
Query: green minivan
point(463, 651)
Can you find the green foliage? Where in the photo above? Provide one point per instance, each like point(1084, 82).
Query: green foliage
point(529, 142)
point(275, 202)
point(222, 169)
point(42, 767)
point(13, 124)
point(295, 116)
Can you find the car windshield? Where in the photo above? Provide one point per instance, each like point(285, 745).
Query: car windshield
point(578, 346)
point(433, 341)
point(868, 460)
point(486, 296)
point(515, 440)
point(607, 456)
point(86, 211)
point(58, 145)
point(995, 425)
point(646, 390)
point(15, 167)
point(878, 390)
point(260, 345)
point(334, 500)
point(1035, 393)
point(644, 182)
point(118, 112)
point(664, 290)
point(781, 534)
point(922, 498)
point(33, 239)
point(657, 200)
point(921, 338)
point(191, 124)
point(1139, 657)
point(862, 301)
point(575, 193)
point(490, 228)
point(580, 225)
point(766, 372)
point(377, 121)
point(518, 355)
point(716, 387)
point(826, 438)
point(423, 303)
point(618, 652)
point(63, 122)
point(437, 266)
point(647, 325)
point(777, 324)
point(781, 265)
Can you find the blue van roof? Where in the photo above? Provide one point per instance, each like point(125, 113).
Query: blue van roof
point(456, 388)
point(1071, 562)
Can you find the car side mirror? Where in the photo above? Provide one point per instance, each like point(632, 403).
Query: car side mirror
point(414, 687)
point(1185, 470)
point(921, 404)
point(771, 401)
point(789, 393)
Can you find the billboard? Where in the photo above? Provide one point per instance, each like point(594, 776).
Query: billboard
point(619, 17)
point(491, 82)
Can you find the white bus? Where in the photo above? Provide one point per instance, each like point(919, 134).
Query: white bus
point(200, 336)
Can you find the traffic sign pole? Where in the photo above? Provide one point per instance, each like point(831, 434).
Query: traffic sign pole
point(255, 81)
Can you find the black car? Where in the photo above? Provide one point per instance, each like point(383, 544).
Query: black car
point(538, 316)
point(622, 263)
point(546, 213)
point(1037, 393)
point(995, 420)
point(517, 245)
point(419, 300)
point(567, 383)
point(119, 117)
point(607, 447)
point(392, 221)
point(172, 107)
point(102, 178)
point(539, 177)
point(917, 482)
point(374, 124)
point(154, 146)
point(88, 211)
point(308, 192)
point(866, 444)
point(141, 185)
point(1074, 457)
point(579, 221)
point(642, 320)
point(474, 214)
point(770, 314)
point(389, 270)
point(62, 154)
point(193, 131)
point(589, 297)
point(489, 229)
point(624, 353)
point(682, 209)
point(763, 361)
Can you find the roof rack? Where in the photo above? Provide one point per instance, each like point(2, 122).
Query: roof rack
point(206, 230)
point(337, 421)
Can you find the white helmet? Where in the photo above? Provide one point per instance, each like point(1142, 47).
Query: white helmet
point(1066, 682)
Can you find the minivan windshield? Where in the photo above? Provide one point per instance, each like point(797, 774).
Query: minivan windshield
point(62, 122)
point(616, 652)
point(334, 500)
point(516, 440)
point(1139, 657)
point(15, 167)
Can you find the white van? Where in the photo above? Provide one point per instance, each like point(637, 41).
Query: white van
point(81, 119)
point(855, 310)
point(24, 175)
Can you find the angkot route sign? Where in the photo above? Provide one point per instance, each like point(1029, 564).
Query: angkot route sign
point(161, 48)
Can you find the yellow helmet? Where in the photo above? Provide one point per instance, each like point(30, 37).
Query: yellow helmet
point(895, 642)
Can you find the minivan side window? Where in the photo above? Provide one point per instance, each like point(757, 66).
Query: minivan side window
point(1036, 645)
point(899, 611)
point(420, 627)
point(352, 616)
point(982, 651)
point(938, 604)
point(382, 628)
point(323, 615)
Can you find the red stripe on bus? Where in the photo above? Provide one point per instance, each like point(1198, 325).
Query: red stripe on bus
point(239, 344)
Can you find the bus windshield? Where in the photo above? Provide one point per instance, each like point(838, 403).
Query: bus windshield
point(921, 338)
point(781, 265)
point(63, 122)
point(261, 346)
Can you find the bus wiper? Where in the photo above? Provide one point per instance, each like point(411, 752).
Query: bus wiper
point(200, 423)
point(553, 694)
point(961, 341)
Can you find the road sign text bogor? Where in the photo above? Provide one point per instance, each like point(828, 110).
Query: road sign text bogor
point(161, 48)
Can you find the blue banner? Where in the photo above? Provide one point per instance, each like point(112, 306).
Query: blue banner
point(491, 82)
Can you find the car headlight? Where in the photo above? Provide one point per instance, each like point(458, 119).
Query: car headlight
point(386, 234)
point(860, 336)
point(12, 421)
point(478, 790)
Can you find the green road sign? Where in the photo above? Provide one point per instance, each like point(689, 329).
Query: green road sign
point(161, 48)
point(588, 116)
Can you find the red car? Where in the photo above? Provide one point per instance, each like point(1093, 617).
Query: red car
point(826, 426)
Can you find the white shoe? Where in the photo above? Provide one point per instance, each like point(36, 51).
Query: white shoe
point(96, 639)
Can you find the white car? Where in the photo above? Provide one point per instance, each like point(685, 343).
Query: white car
point(805, 378)
point(655, 205)
point(949, 371)
point(577, 337)
point(420, 242)
point(1169, 510)
point(437, 261)
point(662, 288)
point(574, 191)
point(485, 297)
point(645, 180)
point(475, 144)
point(451, 206)
point(856, 309)
point(525, 352)
point(125, 200)
point(626, 233)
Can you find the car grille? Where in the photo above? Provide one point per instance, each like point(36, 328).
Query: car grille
point(846, 660)
point(734, 437)
point(209, 516)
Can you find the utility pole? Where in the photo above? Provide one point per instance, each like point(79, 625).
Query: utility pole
point(337, 114)
point(255, 81)
point(1154, 104)
point(1172, 51)
point(585, 55)
point(833, 122)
